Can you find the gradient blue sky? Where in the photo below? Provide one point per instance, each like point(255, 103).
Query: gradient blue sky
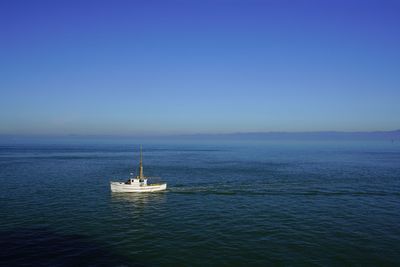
point(141, 67)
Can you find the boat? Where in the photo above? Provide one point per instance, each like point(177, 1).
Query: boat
point(137, 184)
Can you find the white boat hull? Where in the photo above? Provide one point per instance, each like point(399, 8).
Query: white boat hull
point(133, 188)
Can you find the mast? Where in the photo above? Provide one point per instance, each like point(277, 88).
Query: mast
point(141, 164)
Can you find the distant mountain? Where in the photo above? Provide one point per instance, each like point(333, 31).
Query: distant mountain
point(319, 135)
point(391, 136)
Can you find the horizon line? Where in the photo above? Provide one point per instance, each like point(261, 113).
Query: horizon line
point(199, 134)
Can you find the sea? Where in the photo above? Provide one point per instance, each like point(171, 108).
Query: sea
point(261, 203)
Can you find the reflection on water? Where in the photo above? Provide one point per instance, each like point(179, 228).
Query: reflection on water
point(138, 200)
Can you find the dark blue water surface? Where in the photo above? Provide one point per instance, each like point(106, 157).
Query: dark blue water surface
point(239, 204)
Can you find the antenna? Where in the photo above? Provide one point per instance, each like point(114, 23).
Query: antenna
point(141, 164)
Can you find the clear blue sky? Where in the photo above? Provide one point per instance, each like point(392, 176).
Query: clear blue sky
point(162, 67)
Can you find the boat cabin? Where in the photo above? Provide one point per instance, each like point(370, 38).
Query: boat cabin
point(137, 181)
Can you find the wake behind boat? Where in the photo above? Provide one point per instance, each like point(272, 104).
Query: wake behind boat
point(138, 183)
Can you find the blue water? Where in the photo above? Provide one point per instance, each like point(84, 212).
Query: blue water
point(238, 204)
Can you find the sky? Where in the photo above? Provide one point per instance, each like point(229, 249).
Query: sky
point(171, 67)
